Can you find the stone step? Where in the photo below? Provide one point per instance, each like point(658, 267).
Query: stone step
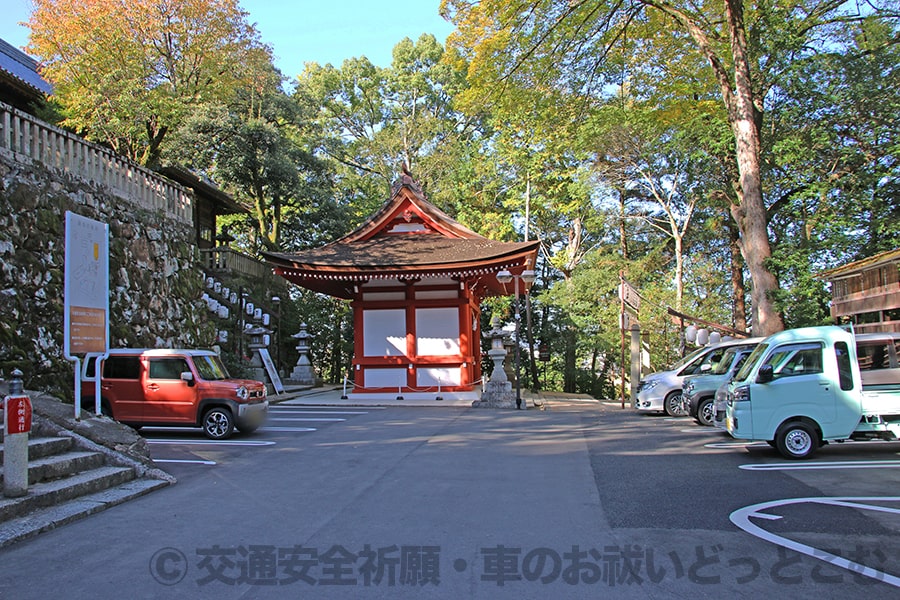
point(44, 494)
point(48, 468)
point(47, 518)
point(44, 446)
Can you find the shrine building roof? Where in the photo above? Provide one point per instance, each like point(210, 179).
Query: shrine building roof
point(408, 239)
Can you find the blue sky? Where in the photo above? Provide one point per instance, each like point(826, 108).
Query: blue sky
point(302, 31)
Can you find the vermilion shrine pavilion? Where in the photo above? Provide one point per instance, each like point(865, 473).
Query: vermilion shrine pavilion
point(416, 278)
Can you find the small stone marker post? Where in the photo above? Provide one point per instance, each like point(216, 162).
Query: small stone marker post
point(17, 415)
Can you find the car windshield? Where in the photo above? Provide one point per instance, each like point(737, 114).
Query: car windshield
point(724, 364)
point(210, 368)
point(687, 359)
point(750, 361)
point(738, 353)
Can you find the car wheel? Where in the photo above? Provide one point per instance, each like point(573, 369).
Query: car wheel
point(705, 412)
point(674, 405)
point(796, 440)
point(218, 423)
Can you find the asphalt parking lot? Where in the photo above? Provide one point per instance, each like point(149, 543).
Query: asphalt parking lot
point(581, 499)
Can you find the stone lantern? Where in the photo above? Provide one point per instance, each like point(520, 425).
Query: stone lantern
point(303, 373)
point(498, 392)
point(258, 339)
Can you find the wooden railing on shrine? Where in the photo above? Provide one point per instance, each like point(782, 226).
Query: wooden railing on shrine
point(226, 259)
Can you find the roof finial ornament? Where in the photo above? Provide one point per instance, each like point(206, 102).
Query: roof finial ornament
point(406, 179)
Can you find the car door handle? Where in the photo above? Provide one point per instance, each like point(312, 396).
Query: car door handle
point(152, 387)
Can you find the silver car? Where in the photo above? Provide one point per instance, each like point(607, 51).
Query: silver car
point(698, 391)
point(661, 392)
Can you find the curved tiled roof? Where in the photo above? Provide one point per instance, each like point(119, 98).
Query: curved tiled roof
point(401, 252)
point(407, 238)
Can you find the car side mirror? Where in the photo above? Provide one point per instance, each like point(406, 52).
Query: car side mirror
point(765, 375)
point(189, 377)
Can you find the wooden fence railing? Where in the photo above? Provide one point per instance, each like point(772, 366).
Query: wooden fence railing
point(226, 259)
point(29, 137)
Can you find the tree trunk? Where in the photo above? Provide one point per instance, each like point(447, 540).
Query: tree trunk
point(750, 215)
point(570, 373)
point(738, 291)
point(679, 269)
point(745, 118)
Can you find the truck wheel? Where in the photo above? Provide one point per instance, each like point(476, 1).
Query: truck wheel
point(218, 423)
point(705, 412)
point(674, 405)
point(796, 440)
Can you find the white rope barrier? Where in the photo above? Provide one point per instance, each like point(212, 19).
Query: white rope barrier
point(425, 390)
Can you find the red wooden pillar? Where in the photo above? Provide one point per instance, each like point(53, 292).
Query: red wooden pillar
point(466, 349)
point(412, 365)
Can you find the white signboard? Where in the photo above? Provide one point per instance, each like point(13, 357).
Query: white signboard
point(86, 297)
point(271, 370)
point(86, 287)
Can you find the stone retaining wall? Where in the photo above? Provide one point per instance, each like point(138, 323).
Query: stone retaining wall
point(155, 279)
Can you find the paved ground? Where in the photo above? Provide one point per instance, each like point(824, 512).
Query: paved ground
point(582, 499)
point(335, 396)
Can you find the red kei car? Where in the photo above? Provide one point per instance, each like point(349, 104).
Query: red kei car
point(176, 387)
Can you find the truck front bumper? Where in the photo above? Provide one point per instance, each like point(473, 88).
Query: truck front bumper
point(251, 415)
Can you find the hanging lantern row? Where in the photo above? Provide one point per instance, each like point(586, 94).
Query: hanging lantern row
point(230, 296)
point(216, 307)
point(704, 337)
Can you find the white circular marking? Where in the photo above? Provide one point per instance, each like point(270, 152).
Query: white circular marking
point(742, 516)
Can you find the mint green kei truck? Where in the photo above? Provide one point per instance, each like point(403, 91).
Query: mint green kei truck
point(801, 389)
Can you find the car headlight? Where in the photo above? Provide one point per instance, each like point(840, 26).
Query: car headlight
point(742, 394)
point(242, 393)
point(649, 385)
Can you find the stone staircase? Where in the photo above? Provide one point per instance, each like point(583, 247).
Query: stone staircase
point(71, 476)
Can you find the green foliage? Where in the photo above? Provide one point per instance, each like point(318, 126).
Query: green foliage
point(374, 120)
point(575, 123)
point(127, 74)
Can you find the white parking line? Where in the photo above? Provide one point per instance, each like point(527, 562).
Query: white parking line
point(322, 419)
point(289, 429)
point(322, 407)
point(741, 518)
point(735, 444)
point(306, 411)
point(847, 464)
point(179, 460)
point(189, 442)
